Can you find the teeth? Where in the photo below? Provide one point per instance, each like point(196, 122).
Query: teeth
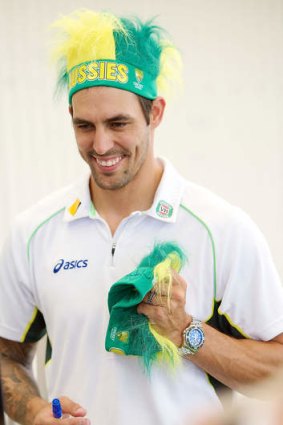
point(109, 162)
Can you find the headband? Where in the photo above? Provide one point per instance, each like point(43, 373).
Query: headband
point(111, 73)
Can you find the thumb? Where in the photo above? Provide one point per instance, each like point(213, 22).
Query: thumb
point(69, 406)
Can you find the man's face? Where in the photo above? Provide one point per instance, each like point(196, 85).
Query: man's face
point(112, 135)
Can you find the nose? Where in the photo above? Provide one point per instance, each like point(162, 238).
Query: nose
point(102, 141)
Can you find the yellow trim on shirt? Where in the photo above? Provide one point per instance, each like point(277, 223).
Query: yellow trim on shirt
point(27, 328)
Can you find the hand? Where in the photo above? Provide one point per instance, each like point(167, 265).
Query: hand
point(69, 407)
point(168, 316)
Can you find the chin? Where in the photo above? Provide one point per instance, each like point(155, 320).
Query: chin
point(102, 184)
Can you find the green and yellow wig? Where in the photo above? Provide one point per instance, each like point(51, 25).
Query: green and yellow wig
point(100, 49)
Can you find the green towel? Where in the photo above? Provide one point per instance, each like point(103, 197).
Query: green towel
point(128, 332)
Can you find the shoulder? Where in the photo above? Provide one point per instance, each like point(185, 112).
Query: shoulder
point(205, 203)
point(221, 218)
point(202, 208)
point(50, 205)
point(47, 209)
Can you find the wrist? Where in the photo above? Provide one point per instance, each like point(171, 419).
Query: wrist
point(187, 324)
point(193, 338)
point(34, 406)
point(179, 334)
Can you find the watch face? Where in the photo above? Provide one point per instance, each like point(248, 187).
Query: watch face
point(194, 338)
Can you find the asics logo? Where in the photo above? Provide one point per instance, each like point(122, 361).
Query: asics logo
point(69, 265)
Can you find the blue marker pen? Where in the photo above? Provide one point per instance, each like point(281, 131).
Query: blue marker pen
point(56, 408)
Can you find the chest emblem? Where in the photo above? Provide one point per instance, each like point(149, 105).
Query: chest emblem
point(70, 264)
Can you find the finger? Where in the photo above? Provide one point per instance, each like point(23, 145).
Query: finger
point(178, 280)
point(154, 313)
point(166, 288)
point(71, 407)
point(157, 300)
point(149, 298)
point(74, 421)
point(155, 297)
point(164, 298)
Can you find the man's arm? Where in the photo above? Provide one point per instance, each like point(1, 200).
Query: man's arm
point(237, 363)
point(21, 395)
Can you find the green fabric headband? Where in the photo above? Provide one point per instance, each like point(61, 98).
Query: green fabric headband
point(111, 73)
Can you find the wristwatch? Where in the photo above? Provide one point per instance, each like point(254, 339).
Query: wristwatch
point(193, 338)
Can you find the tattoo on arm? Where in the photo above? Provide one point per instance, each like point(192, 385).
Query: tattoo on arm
point(18, 384)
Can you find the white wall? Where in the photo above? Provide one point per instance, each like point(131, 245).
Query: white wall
point(224, 131)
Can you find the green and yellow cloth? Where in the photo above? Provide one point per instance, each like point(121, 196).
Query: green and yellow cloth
point(130, 333)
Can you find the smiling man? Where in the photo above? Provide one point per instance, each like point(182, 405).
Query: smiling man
point(117, 146)
point(223, 311)
point(116, 141)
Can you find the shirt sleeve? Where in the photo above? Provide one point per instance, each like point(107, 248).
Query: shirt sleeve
point(20, 319)
point(248, 283)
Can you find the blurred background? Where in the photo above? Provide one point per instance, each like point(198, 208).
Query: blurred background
point(223, 130)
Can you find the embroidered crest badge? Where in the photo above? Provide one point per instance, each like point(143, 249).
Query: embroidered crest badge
point(164, 209)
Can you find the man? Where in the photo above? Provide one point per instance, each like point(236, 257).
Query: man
point(64, 254)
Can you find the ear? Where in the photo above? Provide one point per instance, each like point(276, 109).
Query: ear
point(157, 111)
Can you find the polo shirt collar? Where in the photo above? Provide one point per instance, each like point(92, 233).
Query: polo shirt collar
point(165, 205)
point(168, 195)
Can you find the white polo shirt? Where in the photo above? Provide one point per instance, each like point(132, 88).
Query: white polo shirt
point(61, 259)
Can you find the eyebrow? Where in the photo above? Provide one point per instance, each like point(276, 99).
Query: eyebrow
point(120, 117)
point(80, 121)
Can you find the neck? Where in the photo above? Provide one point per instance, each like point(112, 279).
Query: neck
point(138, 195)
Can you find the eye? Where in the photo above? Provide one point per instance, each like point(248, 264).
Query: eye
point(118, 124)
point(84, 126)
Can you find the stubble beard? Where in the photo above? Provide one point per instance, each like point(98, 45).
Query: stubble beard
point(102, 183)
point(106, 182)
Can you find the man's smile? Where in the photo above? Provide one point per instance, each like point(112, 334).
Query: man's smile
point(108, 162)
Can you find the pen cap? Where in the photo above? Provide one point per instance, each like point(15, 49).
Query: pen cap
point(56, 408)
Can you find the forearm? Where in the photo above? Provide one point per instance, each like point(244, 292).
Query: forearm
point(238, 363)
point(21, 395)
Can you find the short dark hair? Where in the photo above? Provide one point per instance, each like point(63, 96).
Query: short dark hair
point(146, 105)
